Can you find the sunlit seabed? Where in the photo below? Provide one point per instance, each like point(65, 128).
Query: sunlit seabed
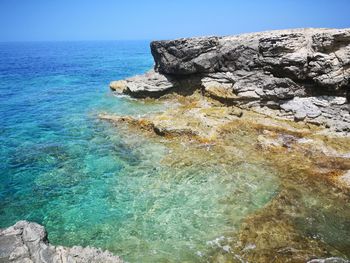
point(90, 183)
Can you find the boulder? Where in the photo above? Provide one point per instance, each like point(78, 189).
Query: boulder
point(151, 84)
point(26, 242)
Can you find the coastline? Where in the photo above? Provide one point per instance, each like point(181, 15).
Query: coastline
point(288, 91)
point(242, 106)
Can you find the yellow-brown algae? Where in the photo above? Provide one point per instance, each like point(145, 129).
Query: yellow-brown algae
point(200, 132)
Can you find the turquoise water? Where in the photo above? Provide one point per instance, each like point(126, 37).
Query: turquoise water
point(90, 183)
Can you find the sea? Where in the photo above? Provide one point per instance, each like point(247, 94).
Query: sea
point(91, 183)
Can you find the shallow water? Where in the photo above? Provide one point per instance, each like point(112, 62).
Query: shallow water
point(91, 183)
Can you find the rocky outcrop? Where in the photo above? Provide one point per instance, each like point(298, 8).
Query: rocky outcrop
point(26, 242)
point(149, 84)
point(301, 74)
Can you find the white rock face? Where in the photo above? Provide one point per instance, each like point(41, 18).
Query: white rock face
point(26, 242)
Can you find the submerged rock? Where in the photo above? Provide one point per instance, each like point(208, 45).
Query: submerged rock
point(345, 179)
point(287, 71)
point(329, 260)
point(27, 242)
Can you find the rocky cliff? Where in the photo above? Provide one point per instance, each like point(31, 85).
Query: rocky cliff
point(301, 74)
point(26, 242)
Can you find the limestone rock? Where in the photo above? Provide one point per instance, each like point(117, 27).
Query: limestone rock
point(119, 86)
point(27, 242)
point(286, 70)
point(329, 260)
point(154, 84)
point(321, 56)
point(327, 110)
point(151, 83)
point(302, 108)
point(186, 56)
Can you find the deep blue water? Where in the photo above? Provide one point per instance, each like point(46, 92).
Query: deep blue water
point(90, 183)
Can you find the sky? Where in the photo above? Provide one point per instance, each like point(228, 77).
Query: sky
point(62, 20)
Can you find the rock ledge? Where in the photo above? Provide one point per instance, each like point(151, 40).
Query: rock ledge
point(300, 74)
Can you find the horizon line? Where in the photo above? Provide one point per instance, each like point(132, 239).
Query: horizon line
point(167, 38)
point(72, 40)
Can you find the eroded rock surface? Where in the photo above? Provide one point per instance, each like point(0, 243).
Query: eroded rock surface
point(329, 260)
point(300, 74)
point(26, 242)
point(149, 84)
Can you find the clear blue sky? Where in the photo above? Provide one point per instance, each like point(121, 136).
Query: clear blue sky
point(161, 19)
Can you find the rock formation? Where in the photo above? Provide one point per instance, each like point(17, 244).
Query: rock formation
point(329, 260)
point(26, 242)
point(301, 74)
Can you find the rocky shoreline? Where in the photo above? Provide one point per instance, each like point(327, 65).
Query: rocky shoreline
point(272, 78)
point(300, 74)
point(26, 242)
point(288, 91)
point(284, 94)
